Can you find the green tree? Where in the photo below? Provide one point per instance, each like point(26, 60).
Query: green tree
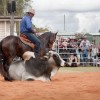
point(20, 6)
point(2, 7)
point(41, 29)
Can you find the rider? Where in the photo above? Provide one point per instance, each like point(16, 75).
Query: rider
point(28, 31)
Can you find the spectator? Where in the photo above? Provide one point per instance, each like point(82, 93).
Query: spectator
point(64, 44)
point(99, 51)
point(78, 53)
point(87, 42)
point(69, 49)
point(99, 48)
point(73, 61)
point(94, 51)
point(60, 43)
point(84, 49)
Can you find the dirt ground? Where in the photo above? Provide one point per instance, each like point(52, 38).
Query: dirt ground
point(64, 86)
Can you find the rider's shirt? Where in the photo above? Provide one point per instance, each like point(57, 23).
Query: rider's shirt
point(26, 25)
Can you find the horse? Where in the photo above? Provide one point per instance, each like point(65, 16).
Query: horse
point(12, 46)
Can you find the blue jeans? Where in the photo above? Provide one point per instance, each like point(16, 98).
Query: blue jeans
point(85, 57)
point(34, 40)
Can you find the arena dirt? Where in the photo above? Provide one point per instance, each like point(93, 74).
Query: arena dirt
point(64, 86)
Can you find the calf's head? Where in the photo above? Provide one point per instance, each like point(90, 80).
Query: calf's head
point(55, 59)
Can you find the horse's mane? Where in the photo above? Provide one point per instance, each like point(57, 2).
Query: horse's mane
point(46, 35)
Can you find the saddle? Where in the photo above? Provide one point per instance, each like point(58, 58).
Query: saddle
point(26, 41)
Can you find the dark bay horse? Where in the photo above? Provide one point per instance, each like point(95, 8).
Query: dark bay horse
point(12, 46)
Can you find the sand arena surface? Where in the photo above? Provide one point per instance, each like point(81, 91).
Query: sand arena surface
point(64, 86)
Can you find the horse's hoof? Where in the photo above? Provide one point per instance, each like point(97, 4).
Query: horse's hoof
point(30, 79)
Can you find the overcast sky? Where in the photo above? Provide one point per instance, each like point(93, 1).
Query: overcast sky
point(80, 15)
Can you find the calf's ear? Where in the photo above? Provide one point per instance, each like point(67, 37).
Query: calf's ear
point(45, 57)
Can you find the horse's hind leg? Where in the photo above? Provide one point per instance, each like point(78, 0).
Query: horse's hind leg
point(6, 65)
point(29, 79)
point(2, 67)
point(7, 76)
point(2, 71)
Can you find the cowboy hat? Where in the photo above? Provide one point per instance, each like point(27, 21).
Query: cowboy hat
point(32, 11)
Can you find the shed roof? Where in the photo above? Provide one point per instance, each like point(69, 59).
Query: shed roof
point(72, 33)
point(66, 33)
point(95, 33)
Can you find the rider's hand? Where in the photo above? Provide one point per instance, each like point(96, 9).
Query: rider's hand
point(34, 31)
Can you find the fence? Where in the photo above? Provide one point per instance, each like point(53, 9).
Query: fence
point(65, 52)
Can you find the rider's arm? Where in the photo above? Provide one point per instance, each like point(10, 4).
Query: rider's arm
point(29, 25)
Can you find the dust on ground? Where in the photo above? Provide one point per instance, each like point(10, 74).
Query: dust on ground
point(64, 86)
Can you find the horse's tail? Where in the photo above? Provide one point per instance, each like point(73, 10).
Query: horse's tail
point(1, 53)
point(2, 71)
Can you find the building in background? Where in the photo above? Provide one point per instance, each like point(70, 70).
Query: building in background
point(96, 37)
point(5, 26)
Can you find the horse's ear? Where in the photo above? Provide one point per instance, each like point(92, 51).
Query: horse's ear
point(56, 33)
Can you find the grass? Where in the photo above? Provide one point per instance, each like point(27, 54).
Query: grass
point(80, 69)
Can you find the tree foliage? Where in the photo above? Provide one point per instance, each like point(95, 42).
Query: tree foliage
point(2, 7)
point(20, 6)
point(38, 30)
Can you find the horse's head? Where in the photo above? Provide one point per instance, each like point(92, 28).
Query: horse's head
point(47, 39)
